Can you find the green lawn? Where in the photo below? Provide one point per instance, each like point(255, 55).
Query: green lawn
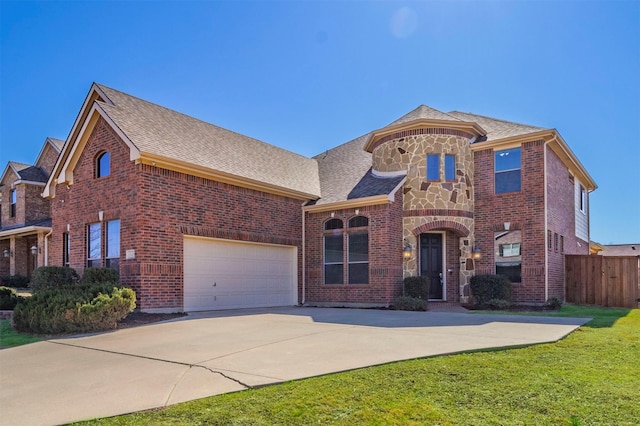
point(9, 337)
point(589, 378)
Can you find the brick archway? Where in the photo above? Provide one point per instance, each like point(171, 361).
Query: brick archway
point(456, 227)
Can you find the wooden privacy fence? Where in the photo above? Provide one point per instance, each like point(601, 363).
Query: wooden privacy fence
point(602, 280)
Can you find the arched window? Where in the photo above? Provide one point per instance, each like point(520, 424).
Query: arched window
point(358, 250)
point(333, 252)
point(102, 165)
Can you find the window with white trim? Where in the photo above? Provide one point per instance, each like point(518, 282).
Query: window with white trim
point(508, 255)
point(112, 242)
point(333, 252)
point(358, 250)
point(13, 199)
point(94, 245)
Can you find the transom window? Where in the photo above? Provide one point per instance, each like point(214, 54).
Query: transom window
point(507, 171)
point(103, 165)
point(356, 257)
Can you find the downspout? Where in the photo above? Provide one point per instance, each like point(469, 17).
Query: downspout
point(304, 274)
point(46, 248)
point(546, 226)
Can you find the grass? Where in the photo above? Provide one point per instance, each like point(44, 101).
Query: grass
point(9, 337)
point(588, 378)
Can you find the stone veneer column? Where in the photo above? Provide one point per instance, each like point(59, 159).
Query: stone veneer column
point(433, 205)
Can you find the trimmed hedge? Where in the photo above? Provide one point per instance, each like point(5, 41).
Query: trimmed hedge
point(8, 298)
point(416, 287)
point(15, 281)
point(92, 276)
point(487, 288)
point(53, 277)
point(406, 303)
point(75, 309)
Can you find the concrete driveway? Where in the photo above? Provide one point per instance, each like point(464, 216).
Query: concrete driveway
point(209, 353)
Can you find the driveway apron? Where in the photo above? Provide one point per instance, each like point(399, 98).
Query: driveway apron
point(209, 353)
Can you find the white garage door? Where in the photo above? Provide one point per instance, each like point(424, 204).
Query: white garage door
point(223, 274)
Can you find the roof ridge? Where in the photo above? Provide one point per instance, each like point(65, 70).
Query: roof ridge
point(173, 111)
point(496, 119)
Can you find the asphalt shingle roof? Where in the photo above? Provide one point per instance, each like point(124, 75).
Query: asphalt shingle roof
point(425, 112)
point(371, 185)
point(496, 129)
point(29, 172)
point(157, 130)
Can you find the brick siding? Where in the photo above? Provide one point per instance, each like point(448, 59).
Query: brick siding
point(156, 207)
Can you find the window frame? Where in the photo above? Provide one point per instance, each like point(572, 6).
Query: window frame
point(65, 249)
point(358, 227)
point(583, 199)
point(512, 265)
point(333, 230)
point(449, 169)
point(502, 172)
point(94, 262)
point(112, 262)
point(13, 202)
point(430, 168)
point(99, 165)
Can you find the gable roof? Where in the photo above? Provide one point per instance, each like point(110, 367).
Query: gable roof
point(158, 135)
point(25, 172)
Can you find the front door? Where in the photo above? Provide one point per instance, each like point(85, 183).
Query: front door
point(431, 263)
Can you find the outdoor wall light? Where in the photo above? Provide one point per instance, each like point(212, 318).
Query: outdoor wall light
point(6, 252)
point(476, 253)
point(407, 251)
point(34, 249)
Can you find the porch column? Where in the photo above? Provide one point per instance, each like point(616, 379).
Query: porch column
point(12, 256)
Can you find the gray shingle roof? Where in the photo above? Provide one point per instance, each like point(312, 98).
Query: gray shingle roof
point(29, 172)
point(159, 131)
point(341, 168)
point(496, 129)
point(371, 185)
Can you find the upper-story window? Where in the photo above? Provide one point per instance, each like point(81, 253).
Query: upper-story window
point(449, 167)
point(433, 167)
point(507, 170)
point(13, 196)
point(583, 199)
point(102, 165)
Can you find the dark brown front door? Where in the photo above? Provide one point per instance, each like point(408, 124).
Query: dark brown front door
point(431, 263)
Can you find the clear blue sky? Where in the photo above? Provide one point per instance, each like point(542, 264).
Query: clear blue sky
point(308, 76)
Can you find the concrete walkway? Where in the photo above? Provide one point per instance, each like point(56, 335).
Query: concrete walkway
point(209, 353)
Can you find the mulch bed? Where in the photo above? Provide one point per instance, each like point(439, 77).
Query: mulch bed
point(135, 319)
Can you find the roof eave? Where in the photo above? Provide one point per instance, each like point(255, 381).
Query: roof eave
point(220, 176)
point(557, 144)
point(467, 126)
point(24, 230)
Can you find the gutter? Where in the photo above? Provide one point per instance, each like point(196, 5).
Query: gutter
point(46, 247)
point(304, 262)
point(546, 227)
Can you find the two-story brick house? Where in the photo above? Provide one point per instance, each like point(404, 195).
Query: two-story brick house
point(197, 217)
point(25, 217)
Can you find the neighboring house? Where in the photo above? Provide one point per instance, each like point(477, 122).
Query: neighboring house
point(620, 250)
point(25, 217)
point(198, 217)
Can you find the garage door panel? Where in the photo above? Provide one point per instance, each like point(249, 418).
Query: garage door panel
point(220, 274)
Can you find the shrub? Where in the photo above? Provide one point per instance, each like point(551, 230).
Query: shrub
point(406, 303)
point(52, 277)
point(8, 298)
point(554, 303)
point(74, 309)
point(487, 287)
point(100, 276)
point(416, 287)
point(498, 304)
point(15, 281)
